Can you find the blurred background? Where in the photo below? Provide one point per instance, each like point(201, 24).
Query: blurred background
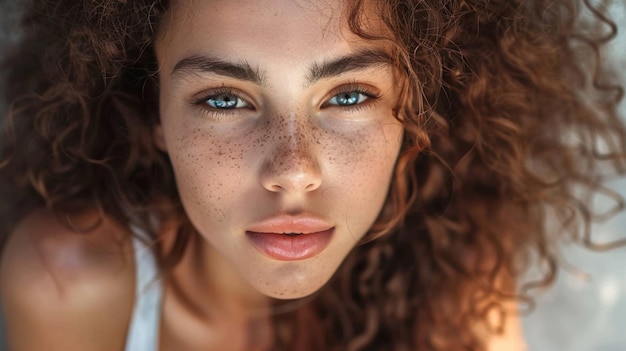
point(586, 309)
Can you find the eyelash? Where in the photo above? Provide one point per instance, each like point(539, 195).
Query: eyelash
point(220, 113)
point(355, 87)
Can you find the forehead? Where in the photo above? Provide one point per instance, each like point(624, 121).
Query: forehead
point(235, 29)
point(249, 17)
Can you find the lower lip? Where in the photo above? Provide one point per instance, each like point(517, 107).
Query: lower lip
point(285, 247)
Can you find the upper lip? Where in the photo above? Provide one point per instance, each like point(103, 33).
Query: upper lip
point(291, 224)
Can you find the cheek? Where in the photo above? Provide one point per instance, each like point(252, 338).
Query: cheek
point(365, 158)
point(207, 171)
point(360, 167)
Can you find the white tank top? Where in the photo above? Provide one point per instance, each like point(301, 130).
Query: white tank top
point(143, 334)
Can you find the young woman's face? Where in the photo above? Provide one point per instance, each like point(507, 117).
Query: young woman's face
point(280, 128)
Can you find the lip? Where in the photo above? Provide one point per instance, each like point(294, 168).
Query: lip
point(291, 238)
point(288, 224)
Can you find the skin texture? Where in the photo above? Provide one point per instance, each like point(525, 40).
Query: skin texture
point(290, 151)
point(285, 151)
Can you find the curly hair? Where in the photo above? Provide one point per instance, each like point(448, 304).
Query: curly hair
point(511, 128)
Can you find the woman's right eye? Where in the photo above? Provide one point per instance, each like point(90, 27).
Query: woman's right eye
point(225, 101)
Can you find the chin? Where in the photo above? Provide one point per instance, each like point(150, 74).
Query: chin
point(290, 283)
point(291, 294)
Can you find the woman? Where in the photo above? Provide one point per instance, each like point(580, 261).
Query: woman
point(326, 175)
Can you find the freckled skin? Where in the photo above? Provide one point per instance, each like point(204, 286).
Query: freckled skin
point(288, 152)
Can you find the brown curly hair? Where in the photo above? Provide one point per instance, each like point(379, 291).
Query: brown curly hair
point(511, 128)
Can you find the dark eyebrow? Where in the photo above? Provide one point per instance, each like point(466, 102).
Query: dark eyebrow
point(204, 64)
point(360, 60)
point(243, 71)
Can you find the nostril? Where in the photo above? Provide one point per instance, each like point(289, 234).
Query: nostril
point(275, 188)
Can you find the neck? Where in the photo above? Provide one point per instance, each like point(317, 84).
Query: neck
point(211, 287)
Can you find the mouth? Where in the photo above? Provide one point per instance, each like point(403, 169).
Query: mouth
point(291, 238)
point(290, 246)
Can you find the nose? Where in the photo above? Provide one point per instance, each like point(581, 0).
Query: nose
point(292, 166)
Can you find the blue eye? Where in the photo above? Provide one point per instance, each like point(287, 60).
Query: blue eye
point(225, 101)
point(348, 98)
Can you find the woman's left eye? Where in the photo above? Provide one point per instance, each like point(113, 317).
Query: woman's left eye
point(348, 98)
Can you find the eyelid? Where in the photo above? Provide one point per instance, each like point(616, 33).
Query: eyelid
point(200, 99)
point(365, 89)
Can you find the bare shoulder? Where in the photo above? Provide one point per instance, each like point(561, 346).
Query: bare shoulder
point(70, 287)
point(512, 338)
point(94, 251)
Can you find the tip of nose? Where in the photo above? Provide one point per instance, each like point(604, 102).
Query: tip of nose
point(290, 170)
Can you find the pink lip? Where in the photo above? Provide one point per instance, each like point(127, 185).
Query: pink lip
point(286, 224)
point(290, 238)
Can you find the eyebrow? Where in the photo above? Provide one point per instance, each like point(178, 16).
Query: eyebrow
point(242, 70)
point(203, 64)
point(364, 59)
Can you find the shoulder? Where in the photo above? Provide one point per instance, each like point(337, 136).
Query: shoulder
point(505, 327)
point(93, 249)
point(53, 276)
point(511, 337)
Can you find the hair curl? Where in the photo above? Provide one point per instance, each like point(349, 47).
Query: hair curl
point(511, 125)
